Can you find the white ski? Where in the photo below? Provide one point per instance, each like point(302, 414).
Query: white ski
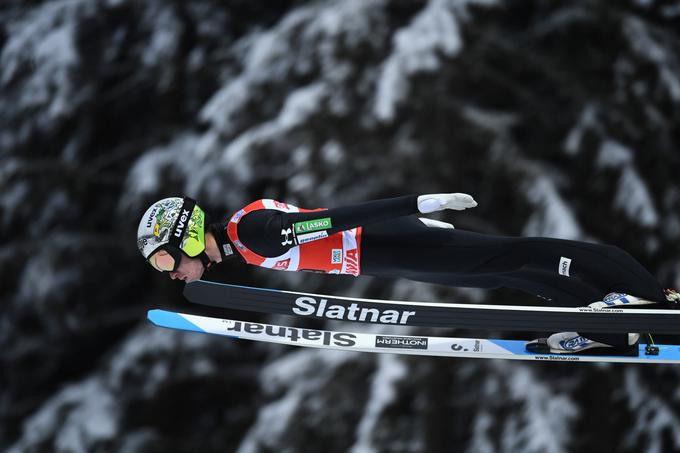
point(389, 343)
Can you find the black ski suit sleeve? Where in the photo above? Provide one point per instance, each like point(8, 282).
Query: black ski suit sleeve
point(261, 231)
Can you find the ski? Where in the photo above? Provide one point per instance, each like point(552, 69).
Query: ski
point(431, 314)
point(389, 343)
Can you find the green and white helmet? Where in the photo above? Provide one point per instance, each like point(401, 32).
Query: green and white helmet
point(176, 225)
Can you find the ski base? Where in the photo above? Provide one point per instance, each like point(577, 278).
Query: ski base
point(389, 343)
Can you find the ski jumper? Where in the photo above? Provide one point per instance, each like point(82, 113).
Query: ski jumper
point(391, 242)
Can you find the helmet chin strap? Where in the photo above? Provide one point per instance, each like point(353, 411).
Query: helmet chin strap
point(205, 260)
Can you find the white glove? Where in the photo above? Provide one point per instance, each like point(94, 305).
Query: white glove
point(440, 201)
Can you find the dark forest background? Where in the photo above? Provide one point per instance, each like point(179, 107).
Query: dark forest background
point(561, 118)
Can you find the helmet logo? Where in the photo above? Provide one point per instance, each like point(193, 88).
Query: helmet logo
point(181, 223)
point(151, 217)
point(157, 230)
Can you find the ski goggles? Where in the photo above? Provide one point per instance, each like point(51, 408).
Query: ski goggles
point(164, 260)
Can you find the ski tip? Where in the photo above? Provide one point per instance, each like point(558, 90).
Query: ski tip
point(193, 289)
point(171, 320)
point(160, 317)
point(153, 315)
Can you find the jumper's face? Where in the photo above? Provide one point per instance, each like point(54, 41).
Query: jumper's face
point(189, 270)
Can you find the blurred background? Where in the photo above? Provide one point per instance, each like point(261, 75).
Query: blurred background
point(561, 118)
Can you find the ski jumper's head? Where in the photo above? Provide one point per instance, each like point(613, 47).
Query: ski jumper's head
point(171, 237)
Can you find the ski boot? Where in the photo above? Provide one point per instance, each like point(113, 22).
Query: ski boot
point(618, 300)
point(573, 343)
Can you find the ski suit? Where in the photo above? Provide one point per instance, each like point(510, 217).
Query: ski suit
point(392, 242)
